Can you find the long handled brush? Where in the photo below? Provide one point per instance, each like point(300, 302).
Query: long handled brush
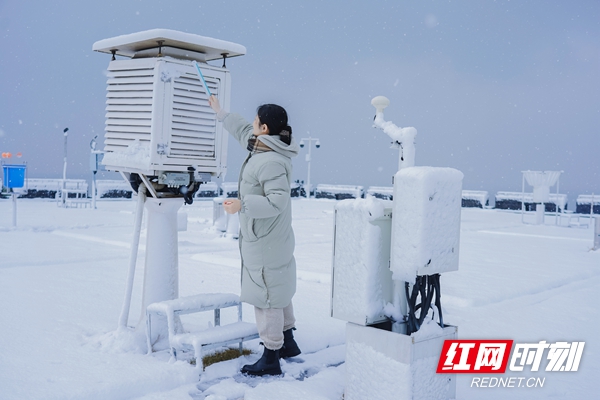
point(202, 78)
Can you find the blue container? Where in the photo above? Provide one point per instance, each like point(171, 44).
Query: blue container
point(14, 176)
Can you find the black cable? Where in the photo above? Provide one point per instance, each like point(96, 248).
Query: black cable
point(425, 288)
point(411, 322)
point(438, 298)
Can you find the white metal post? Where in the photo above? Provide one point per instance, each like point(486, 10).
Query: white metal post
point(523, 198)
point(557, 201)
point(64, 181)
point(308, 158)
point(309, 139)
point(404, 140)
point(540, 210)
point(597, 233)
point(94, 190)
point(14, 207)
point(94, 159)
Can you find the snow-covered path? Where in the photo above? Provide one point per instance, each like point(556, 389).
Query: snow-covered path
point(62, 281)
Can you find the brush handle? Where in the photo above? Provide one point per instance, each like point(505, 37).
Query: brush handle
point(202, 78)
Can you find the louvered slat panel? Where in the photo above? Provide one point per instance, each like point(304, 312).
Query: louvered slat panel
point(192, 151)
point(146, 108)
point(188, 146)
point(146, 94)
point(129, 99)
point(130, 88)
point(192, 155)
point(126, 135)
point(204, 161)
point(132, 80)
point(193, 122)
point(193, 134)
point(197, 108)
point(116, 73)
point(128, 115)
point(142, 123)
point(194, 91)
point(126, 65)
point(192, 130)
point(202, 123)
point(122, 140)
point(125, 101)
point(116, 129)
point(194, 80)
point(193, 140)
point(118, 142)
point(195, 112)
point(185, 95)
point(184, 84)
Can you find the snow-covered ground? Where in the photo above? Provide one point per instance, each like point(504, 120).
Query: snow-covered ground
point(62, 282)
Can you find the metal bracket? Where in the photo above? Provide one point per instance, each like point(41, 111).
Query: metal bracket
point(224, 58)
point(149, 186)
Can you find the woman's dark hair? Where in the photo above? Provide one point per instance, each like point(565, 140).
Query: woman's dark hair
point(276, 119)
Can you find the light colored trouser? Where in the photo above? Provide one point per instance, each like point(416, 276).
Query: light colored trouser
point(271, 322)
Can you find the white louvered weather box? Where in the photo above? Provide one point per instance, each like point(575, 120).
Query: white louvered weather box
point(157, 114)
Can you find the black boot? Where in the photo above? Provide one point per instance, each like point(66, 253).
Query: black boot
point(268, 364)
point(290, 347)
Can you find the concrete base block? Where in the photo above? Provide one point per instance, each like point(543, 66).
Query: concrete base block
point(386, 365)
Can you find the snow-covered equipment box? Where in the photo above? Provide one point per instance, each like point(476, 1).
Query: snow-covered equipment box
point(381, 192)
point(361, 278)
point(475, 198)
point(588, 204)
point(209, 189)
point(339, 192)
point(229, 189)
point(520, 200)
point(113, 189)
point(158, 119)
point(426, 224)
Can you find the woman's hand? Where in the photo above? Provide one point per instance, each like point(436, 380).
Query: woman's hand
point(214, 103)
point(232, 206)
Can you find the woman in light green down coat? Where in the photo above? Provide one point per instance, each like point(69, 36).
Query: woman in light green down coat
point(266, 235)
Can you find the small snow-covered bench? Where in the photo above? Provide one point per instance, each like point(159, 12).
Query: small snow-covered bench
point(76, 198)
point(217, 336)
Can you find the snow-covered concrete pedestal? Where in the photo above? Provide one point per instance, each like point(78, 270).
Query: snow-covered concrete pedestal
point(385, 365)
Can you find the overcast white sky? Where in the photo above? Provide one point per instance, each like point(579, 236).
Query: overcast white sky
point(493, 87)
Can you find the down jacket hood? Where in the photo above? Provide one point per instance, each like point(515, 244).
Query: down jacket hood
point(275, 143)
